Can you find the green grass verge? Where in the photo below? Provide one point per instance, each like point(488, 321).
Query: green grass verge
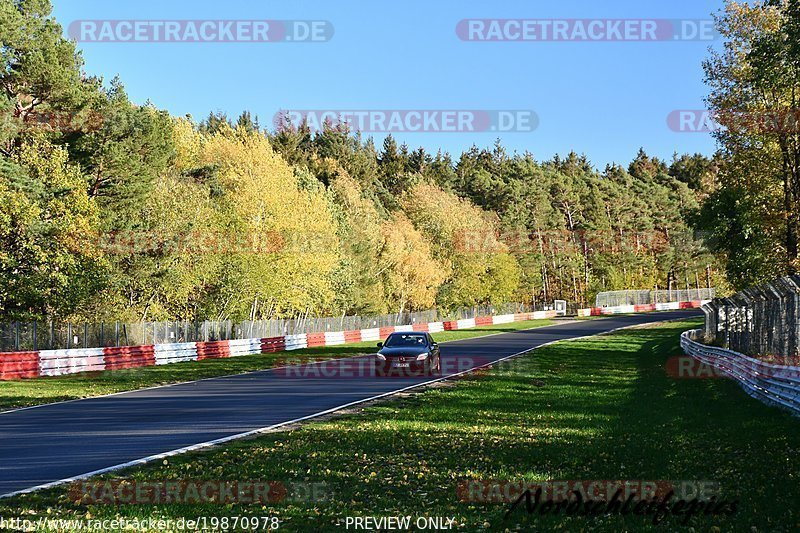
point(596, 409)
point(23, 393)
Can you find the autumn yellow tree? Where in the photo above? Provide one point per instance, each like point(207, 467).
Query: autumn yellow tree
point(169, 261)
point(464, 238)
point(281, 244)
point(411, 275)
point(188, 144)
point(50, 264)
point(754, 82)
point(360, 286)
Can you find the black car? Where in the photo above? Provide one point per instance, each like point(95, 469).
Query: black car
point(408, 353)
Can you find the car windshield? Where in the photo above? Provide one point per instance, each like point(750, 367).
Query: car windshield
point(405, 340)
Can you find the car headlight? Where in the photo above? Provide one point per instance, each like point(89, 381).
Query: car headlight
point(380, 357)
point(422, 356)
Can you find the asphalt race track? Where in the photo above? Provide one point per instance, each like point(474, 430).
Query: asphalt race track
point(54, 442)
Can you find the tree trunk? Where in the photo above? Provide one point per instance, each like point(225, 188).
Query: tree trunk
point(791, 191)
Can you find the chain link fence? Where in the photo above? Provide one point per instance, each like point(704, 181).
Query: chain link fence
point(644, 297)
point(21, 336)
point(762, 321)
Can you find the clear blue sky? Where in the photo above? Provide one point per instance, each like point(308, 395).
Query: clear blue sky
point(604, 99)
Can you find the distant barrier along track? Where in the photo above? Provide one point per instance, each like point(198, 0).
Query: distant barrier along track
point(32, 364)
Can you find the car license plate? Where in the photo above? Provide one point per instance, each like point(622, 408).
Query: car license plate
point(401, 365)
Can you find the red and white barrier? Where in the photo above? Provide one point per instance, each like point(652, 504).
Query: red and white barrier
point(296, 342)
point(16, 365)
point(502, 319)
point(244, 347)
point(129, 356)
point(213, 350)
point(315, 340)
point(176, 352)
point(372, 334)
point(58, 362)
point(334, 338)
point(275, 344)
point(435, 327)
point(644, 308)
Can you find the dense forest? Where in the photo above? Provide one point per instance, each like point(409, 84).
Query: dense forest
point(114, 210)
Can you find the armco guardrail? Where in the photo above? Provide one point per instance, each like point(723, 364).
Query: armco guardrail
point(770, 383)
point(18, 365)
point(643, 308)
